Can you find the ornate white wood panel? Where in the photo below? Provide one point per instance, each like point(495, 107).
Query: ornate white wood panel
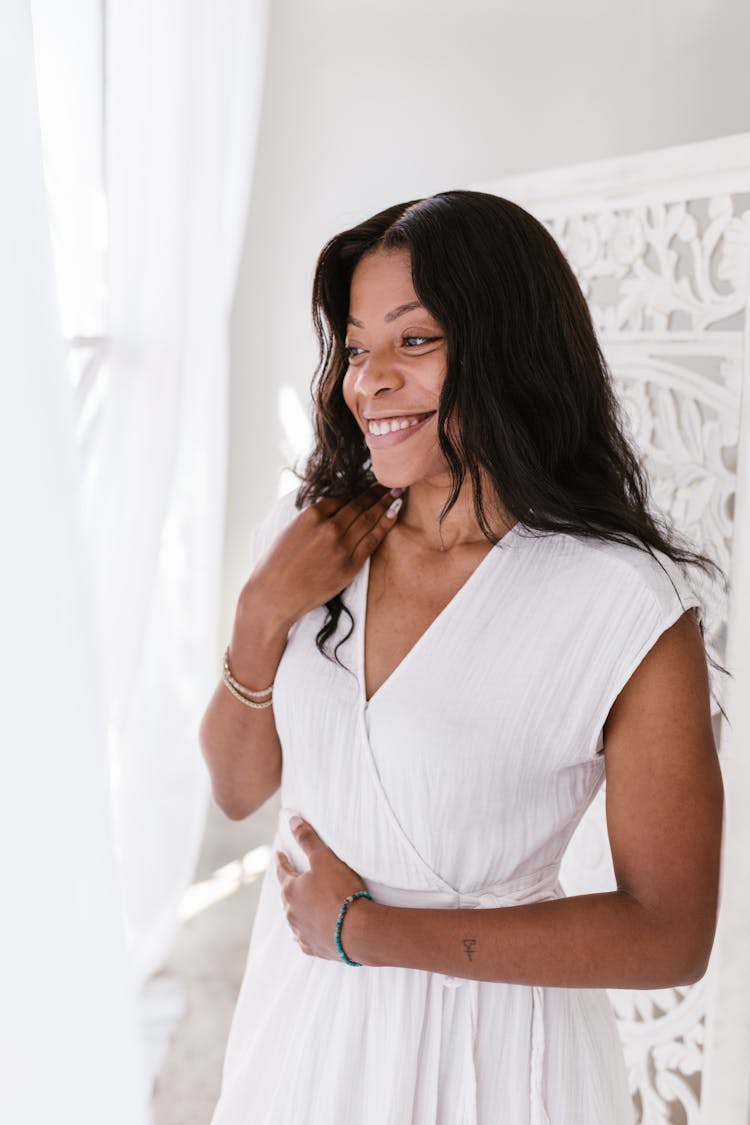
point(660, 243)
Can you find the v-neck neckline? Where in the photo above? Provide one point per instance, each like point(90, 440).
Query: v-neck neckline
point(421, 640)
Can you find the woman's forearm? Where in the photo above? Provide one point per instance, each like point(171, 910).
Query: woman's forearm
point(584, 941)
point(240, 744)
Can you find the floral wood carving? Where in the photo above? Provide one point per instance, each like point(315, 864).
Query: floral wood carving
point(667, 285)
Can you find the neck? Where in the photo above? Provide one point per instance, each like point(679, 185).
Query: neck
point(423, 502)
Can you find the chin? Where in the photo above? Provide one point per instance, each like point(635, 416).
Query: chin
point(389, 480)
point(404, 475)
point(393, 477)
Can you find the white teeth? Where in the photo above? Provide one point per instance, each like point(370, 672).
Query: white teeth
point(388, 425)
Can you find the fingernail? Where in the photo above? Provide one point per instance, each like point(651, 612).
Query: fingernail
point(294, 821)
point(393, 510)
point(398, 491)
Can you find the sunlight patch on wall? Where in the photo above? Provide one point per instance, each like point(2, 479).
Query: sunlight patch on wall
point(296, 439)
point(224, 882)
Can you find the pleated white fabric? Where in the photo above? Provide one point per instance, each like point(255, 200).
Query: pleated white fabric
point(459, 784)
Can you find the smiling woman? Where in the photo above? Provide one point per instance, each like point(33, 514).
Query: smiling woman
point(405, 338)
point(524, 625)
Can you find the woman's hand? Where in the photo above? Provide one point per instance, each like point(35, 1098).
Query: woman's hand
point(318, 554)
point(312, 899)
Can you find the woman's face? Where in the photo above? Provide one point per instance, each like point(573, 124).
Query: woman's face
point(397, 362)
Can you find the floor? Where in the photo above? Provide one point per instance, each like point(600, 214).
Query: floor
point(209, 959)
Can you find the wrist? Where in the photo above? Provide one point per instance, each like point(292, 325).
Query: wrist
point(257, 644)
point(359, 931)
point(258, 616)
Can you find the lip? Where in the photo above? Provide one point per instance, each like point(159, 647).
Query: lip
point(397, 414)
point(395, 437)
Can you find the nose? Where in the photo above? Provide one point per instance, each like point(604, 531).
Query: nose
point(375, 375)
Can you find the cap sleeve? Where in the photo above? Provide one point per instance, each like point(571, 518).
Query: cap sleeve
point(281, 514)
point(653, 592)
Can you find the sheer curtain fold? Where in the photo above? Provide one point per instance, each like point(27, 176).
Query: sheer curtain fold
point(69, 1038)
point(110, 559)
point(184, 81)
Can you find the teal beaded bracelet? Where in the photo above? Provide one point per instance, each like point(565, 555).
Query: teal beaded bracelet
point(339, 923)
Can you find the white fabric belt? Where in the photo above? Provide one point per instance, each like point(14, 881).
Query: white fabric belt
point(532, 887)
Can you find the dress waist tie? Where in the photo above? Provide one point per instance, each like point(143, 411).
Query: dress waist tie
point(533, 887)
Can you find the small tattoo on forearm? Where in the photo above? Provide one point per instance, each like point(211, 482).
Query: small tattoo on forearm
point(470, 945)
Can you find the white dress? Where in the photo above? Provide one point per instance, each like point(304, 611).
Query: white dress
point(458, 785)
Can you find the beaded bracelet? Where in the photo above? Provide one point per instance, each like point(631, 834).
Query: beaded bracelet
point(243, 699)
point(239, 691)
point(241, 687)
point(342, 912)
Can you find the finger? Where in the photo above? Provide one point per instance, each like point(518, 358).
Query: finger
point(370, 519)
point(331, 506)
point(306, 836)
point(374, 527)
point(284, 867)
point(359, 506)
point(327, 505)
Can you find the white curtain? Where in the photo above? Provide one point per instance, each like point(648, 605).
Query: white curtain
point(69, 1041)
point(183, 81)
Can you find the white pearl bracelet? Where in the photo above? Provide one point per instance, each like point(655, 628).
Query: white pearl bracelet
point(239, 691)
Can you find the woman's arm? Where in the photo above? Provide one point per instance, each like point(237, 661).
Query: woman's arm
point(316, 555)
point(240, 744)
point(664, 817)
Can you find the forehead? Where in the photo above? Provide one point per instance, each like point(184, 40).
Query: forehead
point(381, 279)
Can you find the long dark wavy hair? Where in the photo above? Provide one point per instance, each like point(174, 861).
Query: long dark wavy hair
point(526, 379)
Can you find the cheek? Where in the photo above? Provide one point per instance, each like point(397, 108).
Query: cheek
point(347, 389)
point(433, 372)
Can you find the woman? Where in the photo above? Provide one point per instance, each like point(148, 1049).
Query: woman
point(521, 625)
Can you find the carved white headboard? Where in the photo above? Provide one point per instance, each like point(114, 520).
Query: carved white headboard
point(660, 243)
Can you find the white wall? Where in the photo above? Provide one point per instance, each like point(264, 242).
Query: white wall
point(368, 104)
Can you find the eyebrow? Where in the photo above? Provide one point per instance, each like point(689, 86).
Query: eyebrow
point(394, 314)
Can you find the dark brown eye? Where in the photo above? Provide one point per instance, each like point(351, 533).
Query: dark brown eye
point(420, 341)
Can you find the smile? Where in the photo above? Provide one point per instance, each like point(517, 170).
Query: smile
point(391, 431)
